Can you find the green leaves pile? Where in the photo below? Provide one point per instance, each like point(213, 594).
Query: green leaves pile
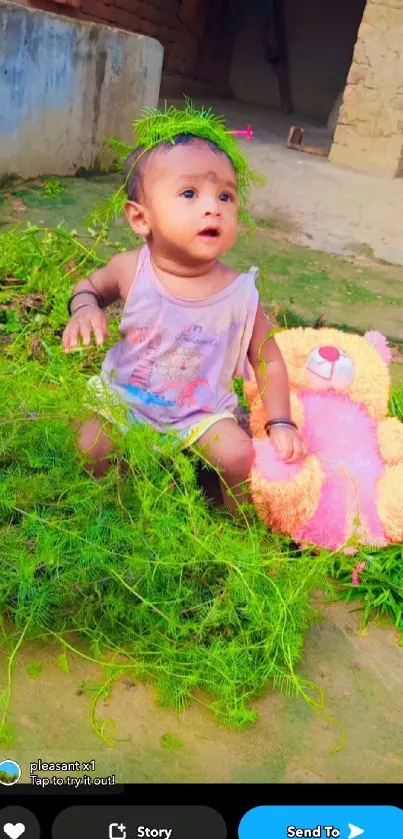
point(136, 567)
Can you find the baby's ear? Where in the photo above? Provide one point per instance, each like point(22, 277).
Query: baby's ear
point(380, 343)
point(136, 216)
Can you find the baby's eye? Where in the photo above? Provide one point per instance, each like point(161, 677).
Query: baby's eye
point(188, 193)
point(226, 197)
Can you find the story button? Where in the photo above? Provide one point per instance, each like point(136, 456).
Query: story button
point(139, 822)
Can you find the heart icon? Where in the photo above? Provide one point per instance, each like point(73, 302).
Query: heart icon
point(14, 830)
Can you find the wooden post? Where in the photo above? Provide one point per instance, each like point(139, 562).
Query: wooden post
point(281, 66)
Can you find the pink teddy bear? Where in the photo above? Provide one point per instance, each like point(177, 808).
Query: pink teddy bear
point(349, 489)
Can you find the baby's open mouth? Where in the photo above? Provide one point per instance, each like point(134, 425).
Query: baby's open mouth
point(210, 232)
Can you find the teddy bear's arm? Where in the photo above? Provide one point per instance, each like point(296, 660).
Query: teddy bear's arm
point(390, 439)
point(286, 494)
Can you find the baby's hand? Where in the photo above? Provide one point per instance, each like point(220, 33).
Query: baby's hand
point(89, 319)
point(289, 444)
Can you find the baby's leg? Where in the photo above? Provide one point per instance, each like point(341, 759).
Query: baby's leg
point(228, 447)
point(96, 446)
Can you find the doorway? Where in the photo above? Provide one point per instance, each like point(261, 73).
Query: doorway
point(291, 55)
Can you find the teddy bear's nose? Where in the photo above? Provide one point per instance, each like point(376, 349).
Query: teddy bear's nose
point(329, 353)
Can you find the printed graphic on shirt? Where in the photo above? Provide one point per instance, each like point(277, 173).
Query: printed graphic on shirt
point(193, 334)
point(141, 375)
point(137, 334)
point(147, 397)
point(182, 368)
point(138, 385)
point(181, 364)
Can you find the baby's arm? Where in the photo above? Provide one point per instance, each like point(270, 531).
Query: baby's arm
point(272, 381)
point(95, 293)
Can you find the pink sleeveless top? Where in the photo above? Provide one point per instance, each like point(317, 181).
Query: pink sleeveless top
point(176, 359)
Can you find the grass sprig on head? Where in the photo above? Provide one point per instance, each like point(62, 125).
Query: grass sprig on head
point(156, 127)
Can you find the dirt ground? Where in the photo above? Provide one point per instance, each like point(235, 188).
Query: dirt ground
point(361, 676)
point(331, 209)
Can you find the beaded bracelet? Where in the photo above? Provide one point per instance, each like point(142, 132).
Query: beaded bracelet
point(282, 423)
point(92, 293)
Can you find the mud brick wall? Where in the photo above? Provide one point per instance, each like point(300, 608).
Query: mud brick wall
point(159, 19)
point(369, 132)
point(156, 18)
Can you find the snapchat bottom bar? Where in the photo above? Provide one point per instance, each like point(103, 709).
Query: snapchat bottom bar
point(131, 822)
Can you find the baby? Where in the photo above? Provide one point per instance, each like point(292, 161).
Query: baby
point(190, 324)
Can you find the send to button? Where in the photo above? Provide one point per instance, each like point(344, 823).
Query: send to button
point(336, 822)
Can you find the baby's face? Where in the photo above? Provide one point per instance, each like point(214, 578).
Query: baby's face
point(190, 201)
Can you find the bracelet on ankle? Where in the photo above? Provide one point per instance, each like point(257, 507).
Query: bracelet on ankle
point(281, 423)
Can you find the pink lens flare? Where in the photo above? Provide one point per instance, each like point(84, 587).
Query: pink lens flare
point(246, 132)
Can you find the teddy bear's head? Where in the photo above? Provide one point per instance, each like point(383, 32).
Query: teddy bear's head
point(329, 359)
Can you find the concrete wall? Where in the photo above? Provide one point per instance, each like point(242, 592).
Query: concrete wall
point(369, 134)
point(321, 36)
point(65, 85)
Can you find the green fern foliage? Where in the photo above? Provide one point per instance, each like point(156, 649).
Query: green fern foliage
point(137, 563)
point(134, 569)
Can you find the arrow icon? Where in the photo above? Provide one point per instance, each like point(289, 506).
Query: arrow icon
point(354, 831)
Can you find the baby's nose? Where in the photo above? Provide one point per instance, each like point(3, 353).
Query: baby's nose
point(329, 353)
point(212, 206)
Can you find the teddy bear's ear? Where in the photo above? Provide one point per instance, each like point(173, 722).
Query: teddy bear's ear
point(377, 340)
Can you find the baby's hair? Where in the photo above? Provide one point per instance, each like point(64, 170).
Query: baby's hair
point(135, 162)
